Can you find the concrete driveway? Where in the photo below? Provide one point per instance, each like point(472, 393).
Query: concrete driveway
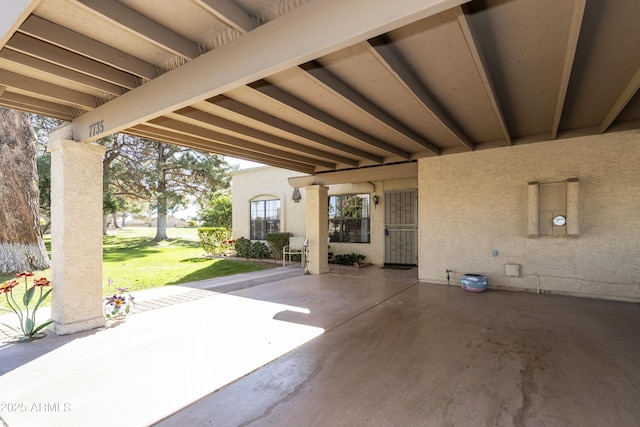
point(367, 347)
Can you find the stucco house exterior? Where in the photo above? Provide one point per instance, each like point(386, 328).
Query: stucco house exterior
point(270, 183)
point(492, 213)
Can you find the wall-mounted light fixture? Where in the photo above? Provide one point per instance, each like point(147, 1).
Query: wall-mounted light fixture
point(376, 200)
point(296, 195)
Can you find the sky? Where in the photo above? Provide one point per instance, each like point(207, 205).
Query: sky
point(244, 164)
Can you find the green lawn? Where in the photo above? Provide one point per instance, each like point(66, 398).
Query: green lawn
point(132, 260)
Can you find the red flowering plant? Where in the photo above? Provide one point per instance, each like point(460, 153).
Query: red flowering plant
point(119, 304)
point(26, 317)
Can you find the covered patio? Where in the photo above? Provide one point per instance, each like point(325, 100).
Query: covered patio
point(365, 346)
point(498, 100)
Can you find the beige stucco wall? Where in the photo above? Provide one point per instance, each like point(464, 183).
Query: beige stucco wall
point(264, 183)
point(374, 251)
point(270, 182)
point(473, 203)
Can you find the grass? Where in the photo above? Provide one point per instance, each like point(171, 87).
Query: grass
point(134, 261)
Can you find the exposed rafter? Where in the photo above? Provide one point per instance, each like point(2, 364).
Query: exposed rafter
point(389, 58)
point(256, 55)
point(572, 45)
point(481, 67)
point(82, 45)
point(622, 100)
point(228, 12)
point(38, 106)
point(123, 16)
point(342, 90)
point(53, 92)
point(177, 123)
point(73, 61)
point(199, 113)
point(62, 72)
point(265, 118)
point(328, 120)
point(162, 134)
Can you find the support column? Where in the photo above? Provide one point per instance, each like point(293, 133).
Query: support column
point(317, 226)
point(76, 235)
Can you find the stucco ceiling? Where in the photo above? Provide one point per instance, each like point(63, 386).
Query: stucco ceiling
point(318, 85)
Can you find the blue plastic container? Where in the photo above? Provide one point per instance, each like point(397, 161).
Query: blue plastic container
point(473, 282)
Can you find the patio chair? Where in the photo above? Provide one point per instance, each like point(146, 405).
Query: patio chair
point(295, 247)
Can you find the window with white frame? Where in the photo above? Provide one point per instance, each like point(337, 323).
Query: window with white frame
point(349, 218)
point(265, 218)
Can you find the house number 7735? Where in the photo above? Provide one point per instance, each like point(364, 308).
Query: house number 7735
point(96, 128)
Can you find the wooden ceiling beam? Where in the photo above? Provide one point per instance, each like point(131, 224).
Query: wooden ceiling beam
point(344, 91)
point(174, 122)
point(73, 61)
point(229, 13)
point(34, 105)
point(244, 110)
point(627, 93)
point(47, 91)
point(72, 76)
point(82, 45)
point(398, 68)
point(569, 58)
point(203, 113)
point(254, 56)
point(481, 66)
point(127, 18)
point(328, 120)
point(162, 134)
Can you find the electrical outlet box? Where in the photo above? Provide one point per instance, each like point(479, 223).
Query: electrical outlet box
point(512, 270)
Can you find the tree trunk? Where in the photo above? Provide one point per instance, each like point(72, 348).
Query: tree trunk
point(21, 244)
point(161, 220)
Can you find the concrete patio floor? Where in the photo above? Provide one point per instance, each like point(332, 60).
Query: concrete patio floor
point(367, 347)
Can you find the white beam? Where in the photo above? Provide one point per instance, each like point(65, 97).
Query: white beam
point(14, 12)
point(256, 55)
point(137, 23)
point(229, 13)
point(376, 173)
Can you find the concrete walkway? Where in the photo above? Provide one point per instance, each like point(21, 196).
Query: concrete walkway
point(368, 347)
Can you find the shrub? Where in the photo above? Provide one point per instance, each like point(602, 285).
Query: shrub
point(218, 211)
point(259, 250)
point(347, 259)
point(276, 242)
point(243, 247)
point(215, 240)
